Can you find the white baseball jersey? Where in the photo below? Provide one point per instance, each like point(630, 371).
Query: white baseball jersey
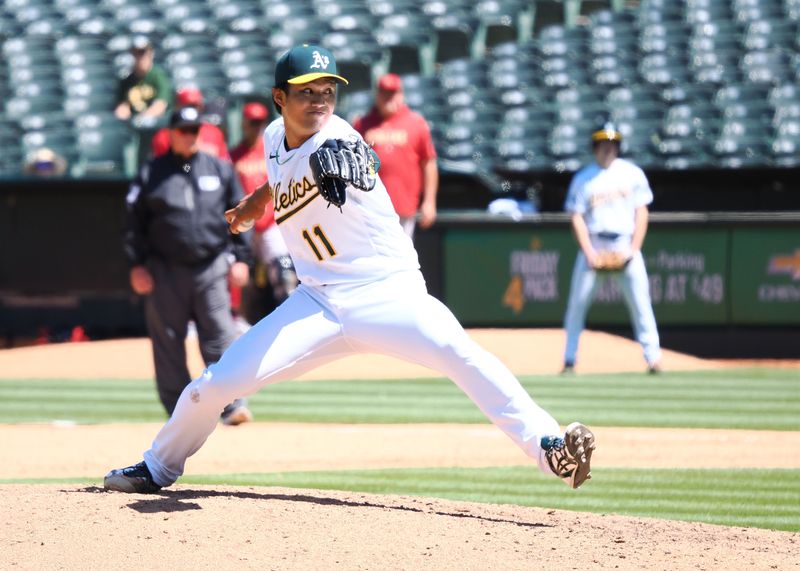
point(362, 242)
point(608, 198)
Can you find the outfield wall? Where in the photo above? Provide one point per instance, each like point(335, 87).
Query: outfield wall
point(704, 269)
point(61, 265)
point(722, 284)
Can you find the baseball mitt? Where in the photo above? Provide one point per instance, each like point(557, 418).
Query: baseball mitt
point(338, 163)
point(609, 261)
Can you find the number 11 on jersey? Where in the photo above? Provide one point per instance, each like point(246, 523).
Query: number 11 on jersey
point(321, 238)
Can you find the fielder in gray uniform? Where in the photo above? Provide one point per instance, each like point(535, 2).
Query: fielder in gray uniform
point(360, 291)
point(608, 202)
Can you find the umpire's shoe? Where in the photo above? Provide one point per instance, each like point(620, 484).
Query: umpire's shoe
point(570, 457)
point(134, 479)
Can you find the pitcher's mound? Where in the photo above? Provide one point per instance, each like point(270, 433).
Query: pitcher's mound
point(201, 527)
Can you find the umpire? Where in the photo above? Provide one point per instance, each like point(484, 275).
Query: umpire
point(182, 255)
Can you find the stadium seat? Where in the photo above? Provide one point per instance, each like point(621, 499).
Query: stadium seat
point(786, 112)
point(498, 22)
point(682, 152)
point(528, 152)
point(102, 151)
point(785, 146)
point(676, 69)
point(628, 94)
point(354, 104)
point(687, 93)
point(768, 66)
point(453, 30)
point(785, 93)
point(741, 142)
point(659, 69)
point(769, 33)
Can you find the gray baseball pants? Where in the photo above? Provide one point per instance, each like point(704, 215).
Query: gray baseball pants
point(181, 294)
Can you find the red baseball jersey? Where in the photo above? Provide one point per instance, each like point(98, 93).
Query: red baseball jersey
point(403, 143)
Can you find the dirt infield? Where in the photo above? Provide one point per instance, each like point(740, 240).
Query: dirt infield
point(199, 527)
point(525, 351)
point(79, 527)
point(39, 451)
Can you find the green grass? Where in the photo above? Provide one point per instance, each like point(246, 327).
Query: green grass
point(741, 498)
point(759, 399)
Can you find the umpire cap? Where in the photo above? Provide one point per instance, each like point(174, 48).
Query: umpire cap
point(185, 117)
point(607, 132)
point(305, 63)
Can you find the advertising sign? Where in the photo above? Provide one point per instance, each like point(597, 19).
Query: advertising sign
point(522, 276)
point(765, 276)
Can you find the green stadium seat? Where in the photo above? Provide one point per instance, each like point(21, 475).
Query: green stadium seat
point(769, 33)
point(792, 9)
point(103, 152)
point(676, 69)
point(454, 28)
point(628, 94)
point(498, 21)
point(769, 66)
point(354, 104)
point(785, 93)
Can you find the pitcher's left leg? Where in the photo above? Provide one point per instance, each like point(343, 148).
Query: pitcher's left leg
point(636, 291)
point(416, 327)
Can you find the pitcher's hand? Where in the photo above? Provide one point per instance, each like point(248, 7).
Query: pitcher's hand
point(244, 215)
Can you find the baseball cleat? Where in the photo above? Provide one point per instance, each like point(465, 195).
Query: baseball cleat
point(134, 479)
point(570, 457)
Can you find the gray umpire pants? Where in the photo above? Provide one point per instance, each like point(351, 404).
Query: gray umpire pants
point(181, 294)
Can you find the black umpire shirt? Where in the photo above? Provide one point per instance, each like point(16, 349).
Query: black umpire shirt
point(175, 211)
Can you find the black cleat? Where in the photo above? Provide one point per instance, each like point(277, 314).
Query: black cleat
point(134, 479)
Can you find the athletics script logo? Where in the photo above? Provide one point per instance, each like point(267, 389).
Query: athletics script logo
point(320, 61)
point(295, 196)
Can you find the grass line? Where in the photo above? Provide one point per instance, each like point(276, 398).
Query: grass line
point(760, 399)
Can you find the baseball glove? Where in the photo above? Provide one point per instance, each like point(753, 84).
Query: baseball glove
point(337, 164)
point(609, 261)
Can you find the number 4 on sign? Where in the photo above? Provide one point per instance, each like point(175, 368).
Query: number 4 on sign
point(514, 297)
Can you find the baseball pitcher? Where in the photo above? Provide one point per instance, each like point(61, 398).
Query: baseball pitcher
point(360, 291)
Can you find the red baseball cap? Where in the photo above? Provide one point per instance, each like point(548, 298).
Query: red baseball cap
point(255, 112)
point(189, 96)
point(390, 82)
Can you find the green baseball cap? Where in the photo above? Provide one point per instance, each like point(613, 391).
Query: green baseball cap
point(305, 63)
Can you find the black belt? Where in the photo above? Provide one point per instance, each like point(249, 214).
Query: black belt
point(607, 235)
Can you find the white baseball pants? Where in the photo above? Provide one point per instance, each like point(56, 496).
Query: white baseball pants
point(636, 292)
point(314, 326)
